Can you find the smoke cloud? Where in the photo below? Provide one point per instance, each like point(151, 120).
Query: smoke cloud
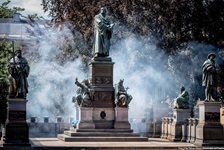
point(151, 75)
point(51, 84)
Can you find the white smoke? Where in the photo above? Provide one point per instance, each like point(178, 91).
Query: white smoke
point(51, 84)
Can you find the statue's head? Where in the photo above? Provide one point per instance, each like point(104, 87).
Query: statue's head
point(211, 56)
point(182, 88)
point(85, 81)
point(18, 53)
point(103, 11)
point(121, 82)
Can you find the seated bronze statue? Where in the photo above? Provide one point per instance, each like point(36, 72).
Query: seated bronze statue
point(182, 101)
point(122, 99)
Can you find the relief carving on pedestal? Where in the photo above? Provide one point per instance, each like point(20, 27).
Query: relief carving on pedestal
point(103, 80)
point(103, 96)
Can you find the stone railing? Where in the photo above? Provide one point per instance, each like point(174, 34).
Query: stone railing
point(188, 129)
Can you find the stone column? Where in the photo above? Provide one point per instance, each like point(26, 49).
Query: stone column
point(209, 130)
point(190, 124)
point(162, 128)
point(86, 118)
point(165, 127)
point(169, 120)
point(121, 118)
point(179, 116)
point(17, 130)
point(193, 130)
point(185, 130)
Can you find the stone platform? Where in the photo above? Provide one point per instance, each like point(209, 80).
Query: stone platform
point(56, 144)
point(101, 135)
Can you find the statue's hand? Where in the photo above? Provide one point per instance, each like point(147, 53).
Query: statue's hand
point(112, 25)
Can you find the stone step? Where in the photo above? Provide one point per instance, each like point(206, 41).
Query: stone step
point(101, 130)
point(67, 138)
point(101, 134)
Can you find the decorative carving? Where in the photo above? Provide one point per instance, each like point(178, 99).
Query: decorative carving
point(103, 80)
point(102, 114)
point(103, 96)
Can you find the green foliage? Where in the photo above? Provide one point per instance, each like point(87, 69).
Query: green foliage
point(5, 55)
point(6, 12)
point(172, 22)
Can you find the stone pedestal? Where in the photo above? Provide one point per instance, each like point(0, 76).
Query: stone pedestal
point(86, 118)
point(121, 118)
point(101, 77)
point(157, 128)
point(179, 116)
point(209, 130)
point(16, 130)
point(160, 110)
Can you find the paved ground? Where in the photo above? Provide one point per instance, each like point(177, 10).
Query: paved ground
point(153, 143)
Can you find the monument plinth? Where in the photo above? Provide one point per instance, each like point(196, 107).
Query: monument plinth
point(121, 118)
point(16, 130)
point(86, 118)
point(102, 121)
point(101, 78)
point(179, 116)
point(209, 130)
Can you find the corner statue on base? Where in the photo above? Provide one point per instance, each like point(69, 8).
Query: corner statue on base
point(210, 70)
point(182, 101)
point(103, 28)
point(19, 70)
point(122, 99)
point(84, 93)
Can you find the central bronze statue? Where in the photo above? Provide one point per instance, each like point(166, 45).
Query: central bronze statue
point(103, 28)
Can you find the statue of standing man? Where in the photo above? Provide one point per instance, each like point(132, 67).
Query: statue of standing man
point(103, 28)
point(19, 70)
point(209, 76)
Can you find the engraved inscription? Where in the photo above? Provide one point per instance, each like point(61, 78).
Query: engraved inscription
point(212, 116)
point(17, 115)
point(103, 70)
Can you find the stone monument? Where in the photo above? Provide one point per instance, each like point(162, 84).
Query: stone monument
point(17, 130)
point(209, 110)
point(100, 120)
point(181, 112)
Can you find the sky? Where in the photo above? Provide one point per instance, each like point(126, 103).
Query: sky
point(31, 6)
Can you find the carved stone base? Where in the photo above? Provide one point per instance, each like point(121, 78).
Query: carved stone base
point(179, 116)
point(16, 130)
point(121, 118)
point(86, 118)
point(209, 130)
point(157, 125)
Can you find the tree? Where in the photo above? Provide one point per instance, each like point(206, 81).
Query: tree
point(173, 23)
point(5, 55)
point(6, 12)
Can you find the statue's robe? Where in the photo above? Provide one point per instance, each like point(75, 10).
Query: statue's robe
point(102, 35)
point(19, 70)
point(209, 73)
